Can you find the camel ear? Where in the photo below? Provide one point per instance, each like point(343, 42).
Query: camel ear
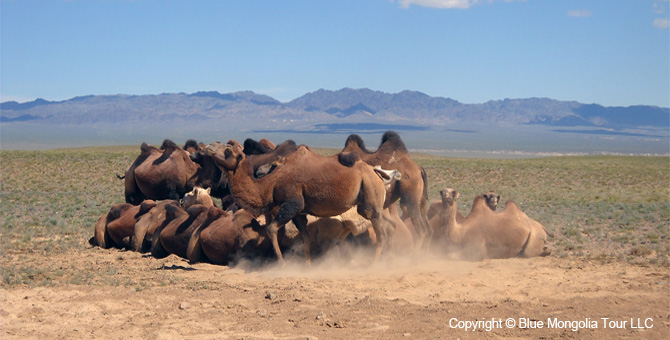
point(208, 191)
point(455, 194)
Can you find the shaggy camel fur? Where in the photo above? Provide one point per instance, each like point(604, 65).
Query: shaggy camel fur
point(147, 224)
point(486, 234)
point(492, 200)
point(306, 183)
point(115, 228)
point(173, 238)
point(412, 190)
point(167, 173)
point(197, 196)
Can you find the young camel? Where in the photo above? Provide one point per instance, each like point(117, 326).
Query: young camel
point(305, 183)
point(486, 234)
point(412, 190)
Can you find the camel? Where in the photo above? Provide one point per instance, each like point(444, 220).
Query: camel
point(147, 224)
point(115, 228)
point(492, 200)
point(173, 237)
point(169, 173)
point(306, 183)
point(224, 237)
point(412, 190)
point(198, 196)
point(486, 234)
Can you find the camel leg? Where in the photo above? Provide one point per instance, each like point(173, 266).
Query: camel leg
point(101, 236)
point(423, 230)
point(194, 250)
point(287, 211)
point(300, 221)
point(139, 233)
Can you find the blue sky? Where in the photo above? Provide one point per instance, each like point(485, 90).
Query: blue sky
point(610, 52)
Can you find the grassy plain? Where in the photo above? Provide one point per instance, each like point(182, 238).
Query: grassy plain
point(600, 208)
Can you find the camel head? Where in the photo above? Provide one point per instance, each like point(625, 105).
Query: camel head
point(228, 156)
point(195, 196)
point(492, 199)
point(449, 196)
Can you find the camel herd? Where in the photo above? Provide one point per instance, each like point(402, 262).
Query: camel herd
point(270, 194)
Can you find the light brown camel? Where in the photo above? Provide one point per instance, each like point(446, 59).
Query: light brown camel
point(168, 173)
point(490, 197)
point(412, 190)
point(197, 196)
point(486, 234)
point(492, 200)
point(115, 228)
point(306, 183)
point(173, 237)
point(147, 224)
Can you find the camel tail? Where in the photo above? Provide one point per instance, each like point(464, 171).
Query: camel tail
point(424, 177)
point(120, 177)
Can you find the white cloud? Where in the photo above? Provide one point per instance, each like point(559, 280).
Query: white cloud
point(462, 4)
point(661, 23)
point(459, 4)
point(580, 13)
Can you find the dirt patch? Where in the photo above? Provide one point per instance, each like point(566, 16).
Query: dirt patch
point(144, 298)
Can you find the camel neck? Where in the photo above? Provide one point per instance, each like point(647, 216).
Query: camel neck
point(448, 219)
point(245, 188)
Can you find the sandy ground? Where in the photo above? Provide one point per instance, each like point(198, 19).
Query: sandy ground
point(172, 299)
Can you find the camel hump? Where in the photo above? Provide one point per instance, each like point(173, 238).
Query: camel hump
point(355, 139)
point(214, 213)
point(252, 147)
point(116, 211)
point(192, 144)
point(393, 139)
point(286, 148)
point(169, 145)
point(511, 205)
point(347, 159)
point(146, 148)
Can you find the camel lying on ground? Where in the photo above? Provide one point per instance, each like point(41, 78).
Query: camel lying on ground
point(198, 196)
point(305, 183)
point(486, 234)
point(492, 200)
point(412, 190)
point(116, 228)
point(224, 238)
point(173, 237)
point(147, 224)
point(490, 197)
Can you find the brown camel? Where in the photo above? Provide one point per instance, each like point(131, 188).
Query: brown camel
point(306, 183)
point(486, 234)
point(169, 173)
point(147, 224)
point(173, 237)
point(224, 238)
point(412, 190)
point(115, 228)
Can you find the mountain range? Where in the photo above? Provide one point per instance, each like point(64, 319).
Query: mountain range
point(344, 106)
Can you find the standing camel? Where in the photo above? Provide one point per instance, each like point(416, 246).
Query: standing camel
point(411, 190)
point(305, 183)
